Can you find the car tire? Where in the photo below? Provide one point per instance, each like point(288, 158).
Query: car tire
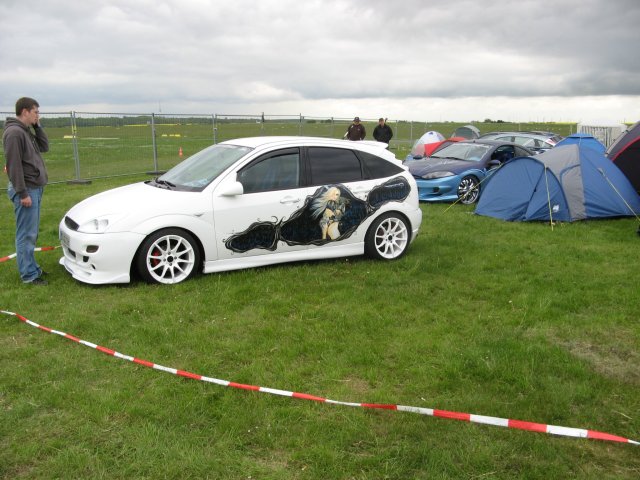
point(468, 190)
point(388, 237)
point(168, 256)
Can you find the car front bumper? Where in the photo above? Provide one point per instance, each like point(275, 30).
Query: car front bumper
point(100, 257)
point(439, 189)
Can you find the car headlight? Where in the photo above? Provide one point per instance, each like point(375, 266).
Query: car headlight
point(433, 175)
point(98, 224)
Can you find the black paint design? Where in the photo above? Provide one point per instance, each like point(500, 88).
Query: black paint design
point(305, 226)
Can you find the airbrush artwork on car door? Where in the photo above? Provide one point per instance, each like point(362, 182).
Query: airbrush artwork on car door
point(332, 213)
point(272, 192)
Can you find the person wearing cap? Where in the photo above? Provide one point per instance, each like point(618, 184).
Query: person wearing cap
point(383, 132)
point(356, 130)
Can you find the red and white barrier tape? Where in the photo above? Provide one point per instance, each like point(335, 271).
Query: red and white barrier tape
point(467, 417)
point(37, 249)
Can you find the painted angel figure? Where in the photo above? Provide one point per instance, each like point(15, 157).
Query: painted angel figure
point(329, 207)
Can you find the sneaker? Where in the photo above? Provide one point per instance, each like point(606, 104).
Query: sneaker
point(39, 282)
point(43, 273)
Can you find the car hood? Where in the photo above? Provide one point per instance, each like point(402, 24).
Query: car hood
point(129, 205)
point(419, 168)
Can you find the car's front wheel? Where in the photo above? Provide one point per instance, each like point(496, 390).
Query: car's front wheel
point(168, 256)
point(469, 190)
point(388, 237)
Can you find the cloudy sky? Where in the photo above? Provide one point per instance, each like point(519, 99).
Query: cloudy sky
point(458, 60)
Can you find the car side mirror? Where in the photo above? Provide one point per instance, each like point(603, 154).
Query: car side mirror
point(232, 190)
point(494, 163)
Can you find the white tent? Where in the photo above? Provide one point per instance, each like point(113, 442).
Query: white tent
point(430, 137)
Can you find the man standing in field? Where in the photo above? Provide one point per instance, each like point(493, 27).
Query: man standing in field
point(356, 130)
point(27, 178)
point(383, 132)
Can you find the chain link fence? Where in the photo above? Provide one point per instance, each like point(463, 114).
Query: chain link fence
point(86, 146)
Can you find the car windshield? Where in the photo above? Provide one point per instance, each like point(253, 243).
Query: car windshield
point(463, 151)
point(199, 170)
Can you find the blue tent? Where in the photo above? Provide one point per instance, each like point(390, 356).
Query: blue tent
point(584, 140)
point(564, 184)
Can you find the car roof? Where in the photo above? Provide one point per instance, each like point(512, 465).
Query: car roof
point(488, 142)
point(267, 142)
point(255, 142)
point(484, 141)
point(524, 134)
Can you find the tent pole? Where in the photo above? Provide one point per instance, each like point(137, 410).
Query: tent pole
point(546, 181)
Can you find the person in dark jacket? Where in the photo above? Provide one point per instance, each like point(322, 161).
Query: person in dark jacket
point(23, 141)
point(356, 130)
point(383, 132)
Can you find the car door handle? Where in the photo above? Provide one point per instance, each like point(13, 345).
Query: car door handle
point(289, 199)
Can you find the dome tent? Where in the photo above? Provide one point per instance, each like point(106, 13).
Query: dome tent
point(468, 132)
point(584, 140)
point(425, 144)
point(625, 153)
point(565, 184)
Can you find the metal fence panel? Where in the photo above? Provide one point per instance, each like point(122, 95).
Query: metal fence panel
point(86, 145)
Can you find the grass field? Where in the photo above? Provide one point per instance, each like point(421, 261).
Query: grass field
point(520, 321)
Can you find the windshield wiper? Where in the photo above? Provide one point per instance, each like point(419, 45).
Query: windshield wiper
point(164, 183)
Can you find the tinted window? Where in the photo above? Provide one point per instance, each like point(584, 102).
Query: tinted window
point(333, 165)
point(376, 167)
point(504, 153)
point(277, 171)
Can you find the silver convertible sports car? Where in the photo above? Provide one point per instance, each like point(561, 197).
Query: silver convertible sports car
point(246, 203)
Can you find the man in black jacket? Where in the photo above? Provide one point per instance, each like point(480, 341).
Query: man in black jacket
point(383, 132)
point(356, 130)
point(27, 178)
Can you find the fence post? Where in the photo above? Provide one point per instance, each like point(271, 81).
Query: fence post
point(300, 125)
point(155, 170)
point(76, 155)
point(215, 129)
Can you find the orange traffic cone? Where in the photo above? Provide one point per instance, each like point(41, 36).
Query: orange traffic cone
point(180, 152)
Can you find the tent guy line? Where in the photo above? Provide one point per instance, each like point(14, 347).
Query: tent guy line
point(467, 417)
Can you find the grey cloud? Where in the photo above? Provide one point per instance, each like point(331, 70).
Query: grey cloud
point(244, 51)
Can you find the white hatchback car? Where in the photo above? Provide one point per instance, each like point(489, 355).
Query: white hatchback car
point(246, 203)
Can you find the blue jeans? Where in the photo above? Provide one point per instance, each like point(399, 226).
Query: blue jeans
point(27, 226)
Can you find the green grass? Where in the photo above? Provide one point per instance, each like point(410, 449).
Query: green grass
point(503, 319)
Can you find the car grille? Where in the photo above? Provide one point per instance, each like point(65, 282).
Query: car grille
point(71, 224)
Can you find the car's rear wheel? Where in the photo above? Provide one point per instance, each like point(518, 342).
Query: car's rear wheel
point(388, 237)
point(168, 256)
point(469, 190)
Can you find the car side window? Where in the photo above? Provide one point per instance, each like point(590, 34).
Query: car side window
point(504, 153)
point(523, 140)
point(333, 165)
point(376, 167)
point(275, 171)
point(521, 152)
